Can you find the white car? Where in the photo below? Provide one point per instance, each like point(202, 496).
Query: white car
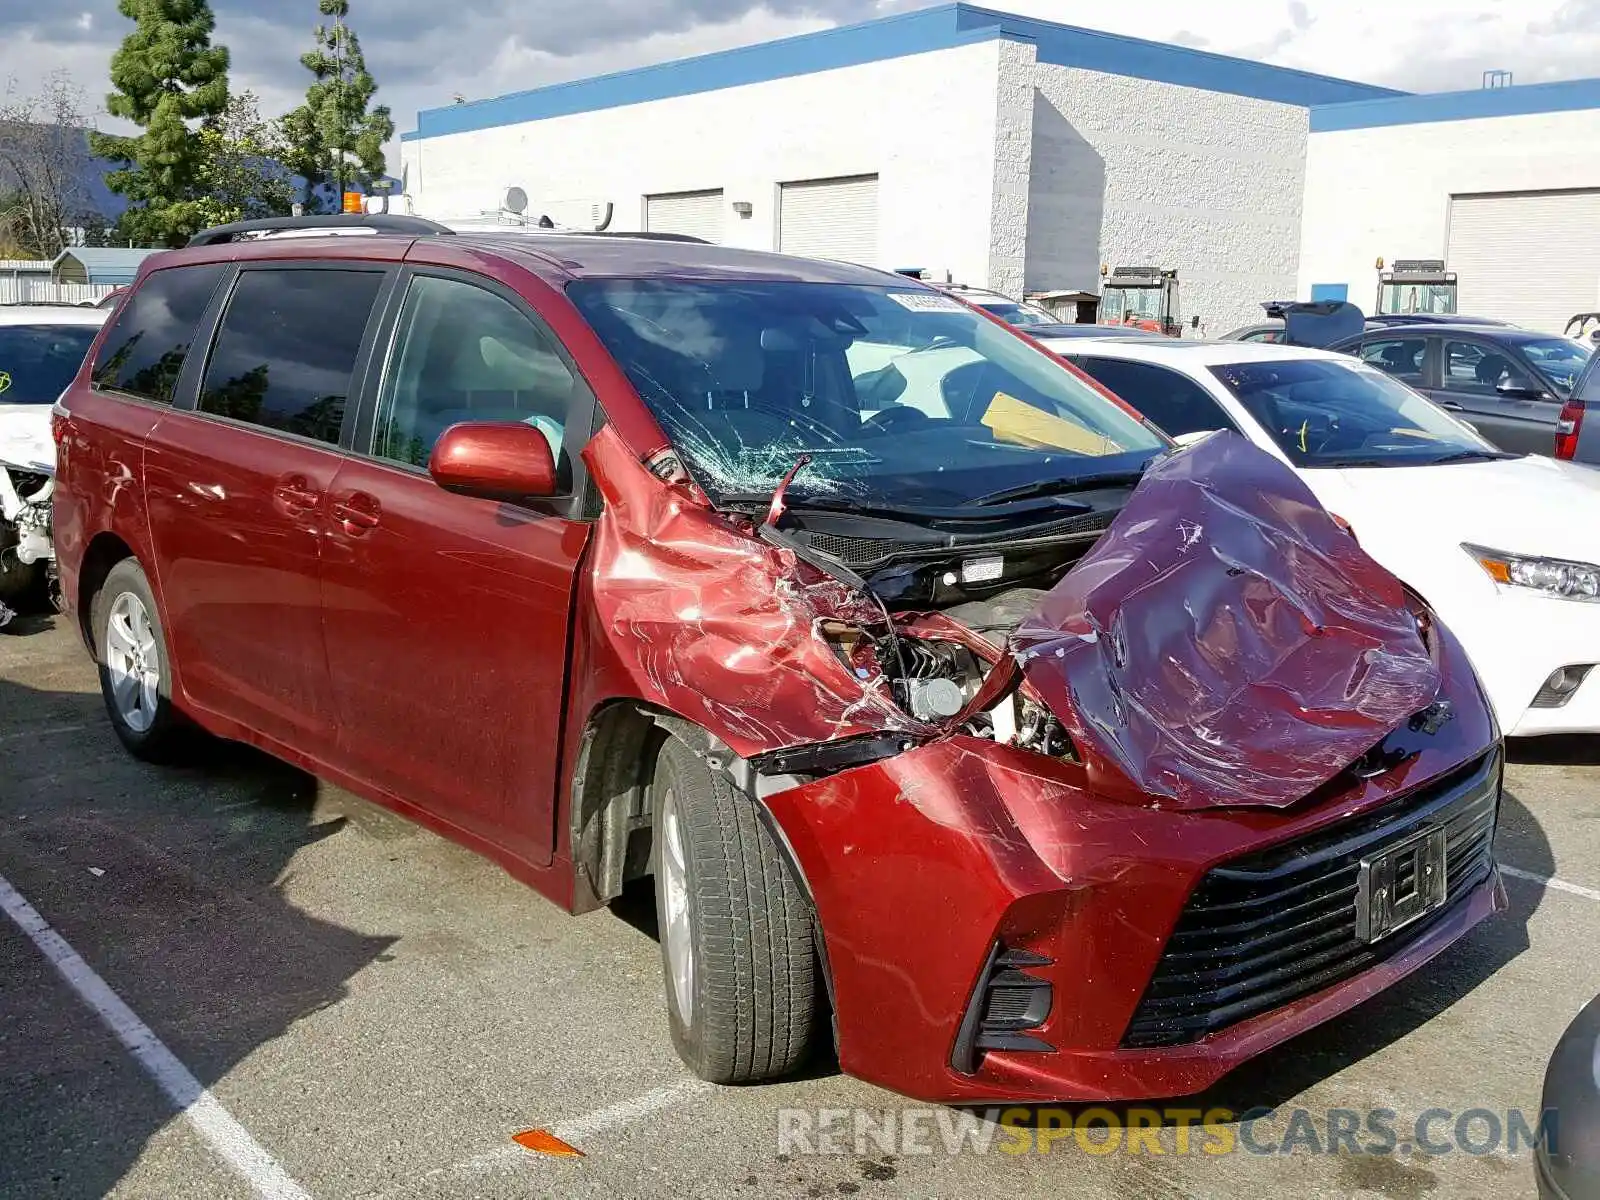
point(1506, 548)
point(41, 348)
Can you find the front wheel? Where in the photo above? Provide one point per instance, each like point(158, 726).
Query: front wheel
point(135, 671)
point(736, 939)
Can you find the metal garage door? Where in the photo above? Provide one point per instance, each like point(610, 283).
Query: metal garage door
point(830, 218)
point(1532, 257)
point(698, 214)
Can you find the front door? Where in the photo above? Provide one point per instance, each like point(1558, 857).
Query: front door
point(237, 492)
point(1484, 384)
point(447, 617)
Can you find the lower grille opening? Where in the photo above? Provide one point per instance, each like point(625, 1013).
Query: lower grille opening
point(1008, 1002)
point(1272, 927)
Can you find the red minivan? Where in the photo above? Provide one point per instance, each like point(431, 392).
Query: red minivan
point(946, 701)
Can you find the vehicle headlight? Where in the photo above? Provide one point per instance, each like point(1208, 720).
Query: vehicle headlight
point(1552, 576)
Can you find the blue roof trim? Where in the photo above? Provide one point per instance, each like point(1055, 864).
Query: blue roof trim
point(1568, 96)
point(1114, 54)
point(919, 32)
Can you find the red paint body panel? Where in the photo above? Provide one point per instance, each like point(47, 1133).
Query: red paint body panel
point(444, 654)
point(237, 518)
point(446, 628)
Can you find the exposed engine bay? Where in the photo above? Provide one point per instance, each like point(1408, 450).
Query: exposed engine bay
point(26, 550)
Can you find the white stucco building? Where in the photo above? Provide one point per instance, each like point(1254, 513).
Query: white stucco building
point(1023, 155)
point(1004, 151)
point(1502, 184)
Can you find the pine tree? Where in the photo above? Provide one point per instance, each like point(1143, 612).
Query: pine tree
point(335, 125)
point(167, 75)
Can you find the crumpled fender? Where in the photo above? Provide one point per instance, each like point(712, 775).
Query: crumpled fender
point(1226, 642)
point(721, 627)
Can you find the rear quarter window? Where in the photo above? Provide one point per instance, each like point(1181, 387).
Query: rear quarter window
point(150, 335)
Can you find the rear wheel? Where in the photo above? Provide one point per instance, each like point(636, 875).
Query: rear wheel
point(736, 940)
point(135, 678)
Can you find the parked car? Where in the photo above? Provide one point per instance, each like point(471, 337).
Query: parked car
point(1014, 312)
point(1271, 329)
point(1503, 546)
point(1509, 383)
point(1578, 438)
point(612, 558)
point(41, 349)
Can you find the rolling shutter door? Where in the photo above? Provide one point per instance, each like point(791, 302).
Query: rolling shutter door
point(830, 218)
point(698, 214)
point(1531, 258)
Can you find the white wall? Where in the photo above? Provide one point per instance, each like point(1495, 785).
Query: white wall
point(1133, 172)
point(1385, 192)
point(925, 124)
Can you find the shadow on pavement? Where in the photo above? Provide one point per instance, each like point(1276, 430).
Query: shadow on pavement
point(167, 882)
point(1558, 750)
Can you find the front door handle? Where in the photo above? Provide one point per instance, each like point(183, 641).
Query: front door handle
point(357, 512)
point(295, 494)
point(1451, 405)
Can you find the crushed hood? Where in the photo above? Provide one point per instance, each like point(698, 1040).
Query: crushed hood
point(1225, 642)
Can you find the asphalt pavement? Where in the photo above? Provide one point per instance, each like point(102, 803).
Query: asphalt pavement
point(362, 1009)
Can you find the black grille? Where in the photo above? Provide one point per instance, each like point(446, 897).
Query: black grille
point(1266, 929)
point(856, 551)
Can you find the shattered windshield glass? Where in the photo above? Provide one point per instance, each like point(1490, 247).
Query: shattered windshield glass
point(899, 396)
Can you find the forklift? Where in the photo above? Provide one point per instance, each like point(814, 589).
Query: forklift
point(1143, 297)
point(1416, 285)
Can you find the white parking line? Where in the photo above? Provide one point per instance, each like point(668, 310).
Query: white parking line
point(613, 1116)
point(213, 1122)
point(1550, 881)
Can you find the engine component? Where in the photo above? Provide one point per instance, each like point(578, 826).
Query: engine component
point(995, 617)
point(933, 699)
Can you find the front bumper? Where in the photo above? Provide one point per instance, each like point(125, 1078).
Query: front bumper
point(1516, 639)
point(920, 864)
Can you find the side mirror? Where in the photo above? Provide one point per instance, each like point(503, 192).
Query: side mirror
point(1512, 389)
point(494, 460)
point(1194, 321)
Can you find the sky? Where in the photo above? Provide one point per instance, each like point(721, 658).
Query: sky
point(425, 52)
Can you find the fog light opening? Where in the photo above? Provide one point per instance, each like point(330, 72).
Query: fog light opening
point(1562, 685)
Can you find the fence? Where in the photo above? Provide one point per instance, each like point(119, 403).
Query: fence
point(26, 289)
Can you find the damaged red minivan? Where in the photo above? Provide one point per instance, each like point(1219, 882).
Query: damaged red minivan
point(946, 701)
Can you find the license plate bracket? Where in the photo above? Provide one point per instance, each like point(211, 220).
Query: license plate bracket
point(1400, 884)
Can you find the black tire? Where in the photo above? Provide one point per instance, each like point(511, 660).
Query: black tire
point(753, 1008)
point(165, 736)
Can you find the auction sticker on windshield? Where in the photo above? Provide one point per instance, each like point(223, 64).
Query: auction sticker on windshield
point(927, 302)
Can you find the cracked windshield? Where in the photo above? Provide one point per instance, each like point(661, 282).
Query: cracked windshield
point(898, 396)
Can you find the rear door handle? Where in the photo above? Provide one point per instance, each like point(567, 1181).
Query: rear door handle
point(295, 494)
point(1451, 405)
point(357, 512)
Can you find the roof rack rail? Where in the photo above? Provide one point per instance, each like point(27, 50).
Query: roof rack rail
point(377, 222)
point(642, 234)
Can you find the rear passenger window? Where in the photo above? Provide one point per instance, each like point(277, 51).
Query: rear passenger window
point(1400, 357)
point(145, 347)
point(463, 353)
point(1174, 402)
point(286, 349)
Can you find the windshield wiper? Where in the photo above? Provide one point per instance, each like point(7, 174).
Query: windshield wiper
point(1471, 456)
point(1056, 487)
